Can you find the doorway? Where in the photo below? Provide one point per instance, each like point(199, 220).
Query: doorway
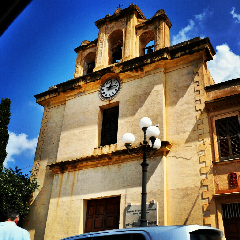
point(102, 214)
point(231, 220)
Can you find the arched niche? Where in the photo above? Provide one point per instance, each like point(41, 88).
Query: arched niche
point(115, 44)
point(89, 63)
point(146, 42)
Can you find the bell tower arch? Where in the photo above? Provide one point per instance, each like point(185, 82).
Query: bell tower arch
point(115, 45)
point(121, 37)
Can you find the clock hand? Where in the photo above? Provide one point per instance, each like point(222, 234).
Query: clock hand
point(110, 86)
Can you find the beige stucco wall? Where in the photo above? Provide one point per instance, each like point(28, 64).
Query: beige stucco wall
point(183, 166)
point(71, 189)
point(138, 97)
point(46, 153)
point(166, 94)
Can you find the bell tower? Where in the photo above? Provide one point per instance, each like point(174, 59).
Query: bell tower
point(122, 36)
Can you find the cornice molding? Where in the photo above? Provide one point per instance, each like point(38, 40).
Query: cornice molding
point(223, 102)
point(223, 85)
point(102, 160)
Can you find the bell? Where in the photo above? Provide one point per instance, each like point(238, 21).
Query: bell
point(117, 55)
point(149, 50)
point(91, 66)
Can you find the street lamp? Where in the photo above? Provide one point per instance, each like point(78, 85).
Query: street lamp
point(128, 139)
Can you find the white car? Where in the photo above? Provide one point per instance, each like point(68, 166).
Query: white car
point(190, 232)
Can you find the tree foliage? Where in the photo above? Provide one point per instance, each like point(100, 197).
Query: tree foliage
point(16, 190)
point(4, 121)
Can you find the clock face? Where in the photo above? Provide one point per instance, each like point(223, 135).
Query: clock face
point(110, 89)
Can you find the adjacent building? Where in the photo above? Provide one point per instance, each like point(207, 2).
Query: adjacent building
point(88, 181)
point(223, 109)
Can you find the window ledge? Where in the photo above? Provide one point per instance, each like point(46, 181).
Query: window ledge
point(226, 193)
point(227, 161)
point(105, 149)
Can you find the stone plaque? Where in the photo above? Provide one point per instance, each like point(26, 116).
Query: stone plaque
point(133, 215)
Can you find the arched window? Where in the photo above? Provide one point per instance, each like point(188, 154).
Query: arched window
point(146, 43)
point(89, 63)
point(115, 43)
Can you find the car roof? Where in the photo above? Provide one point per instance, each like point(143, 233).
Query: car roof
point(165, 231)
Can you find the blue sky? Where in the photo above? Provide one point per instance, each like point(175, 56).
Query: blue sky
point(37, 51)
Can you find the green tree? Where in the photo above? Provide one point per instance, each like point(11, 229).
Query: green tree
point(16, 189)
point(4, 121)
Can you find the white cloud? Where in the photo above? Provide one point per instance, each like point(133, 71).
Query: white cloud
point(184, 34)
point(235, 15)
point(193, 28)
point(19, 144)
point(201, 19)
point(225, 64)
point(202, 16)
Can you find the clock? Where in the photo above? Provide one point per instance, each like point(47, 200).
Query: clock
point(110, 89)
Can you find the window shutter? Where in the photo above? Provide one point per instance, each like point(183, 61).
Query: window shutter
point(228, 137)
point(109, 126)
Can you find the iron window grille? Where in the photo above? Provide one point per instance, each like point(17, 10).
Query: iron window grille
point(231, 210)
point(228, 137)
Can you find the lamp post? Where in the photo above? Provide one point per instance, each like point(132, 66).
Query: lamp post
point(128, 139)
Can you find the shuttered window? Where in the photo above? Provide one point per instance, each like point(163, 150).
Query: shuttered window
point(109, 126)
point(228, 138)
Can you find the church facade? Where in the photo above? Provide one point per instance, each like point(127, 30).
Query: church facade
point(88, 181)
